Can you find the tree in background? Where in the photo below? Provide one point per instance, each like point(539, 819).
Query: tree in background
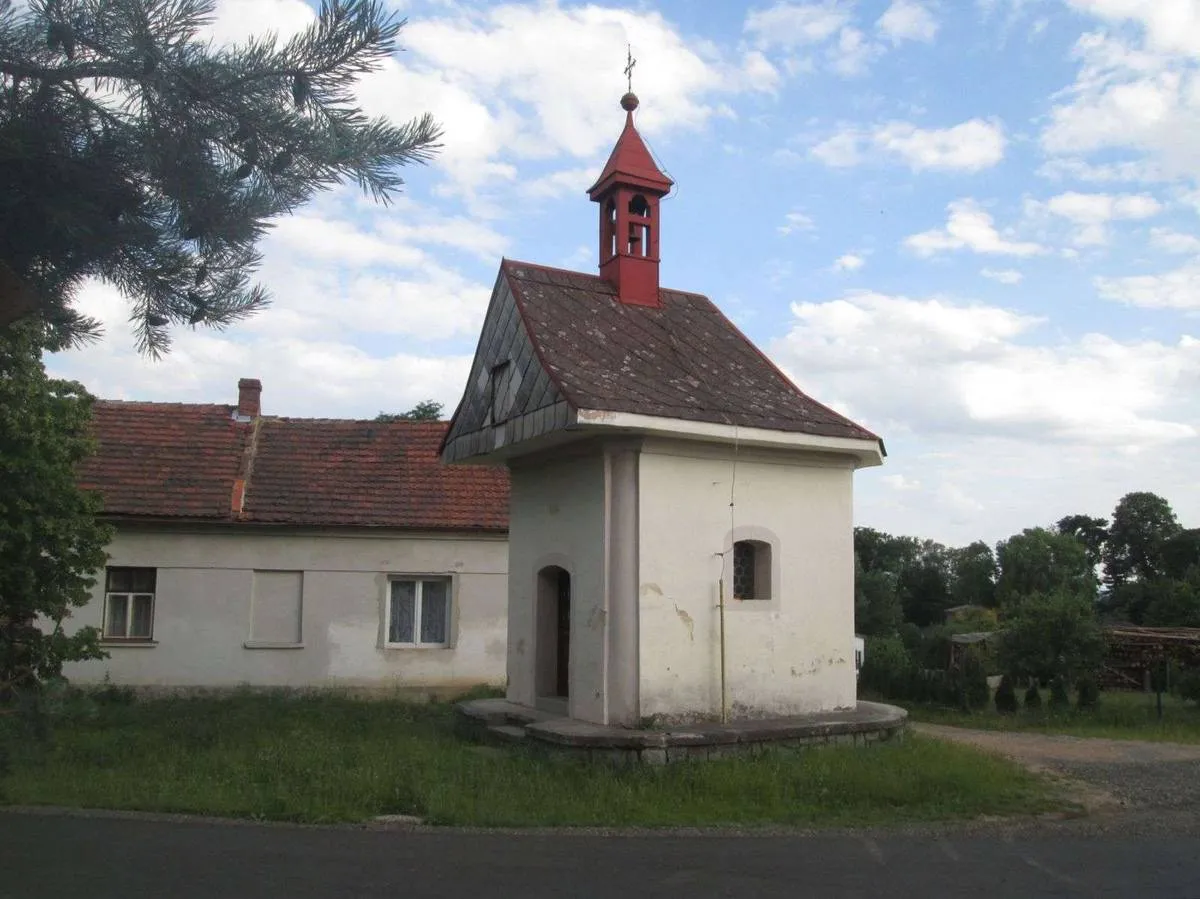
point(1052, 636)
point(134, 151)
point(880, 561)
point(1181, 554)
point(426, 410)
point(1090, 531)
point(877, 610)
point(1039, 561)
point(973, 575)
point(1142, 523)
point(924, 585)
point(1170, 602)
point(51, 544)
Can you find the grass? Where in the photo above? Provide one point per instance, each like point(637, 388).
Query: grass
point(1119, 716)
point(327, 759)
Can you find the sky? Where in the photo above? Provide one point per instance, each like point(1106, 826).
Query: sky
point(969, 225)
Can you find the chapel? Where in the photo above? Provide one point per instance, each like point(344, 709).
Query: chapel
point(681, 528)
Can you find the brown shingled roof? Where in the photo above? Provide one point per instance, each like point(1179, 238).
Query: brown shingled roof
point(183, 461)
point(684, 360)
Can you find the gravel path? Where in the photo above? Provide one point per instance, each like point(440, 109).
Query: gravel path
point(1101, 774)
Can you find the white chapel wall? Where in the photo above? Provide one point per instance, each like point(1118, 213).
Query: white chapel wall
point(557, 517)
point(205, 620)
point(788, 655)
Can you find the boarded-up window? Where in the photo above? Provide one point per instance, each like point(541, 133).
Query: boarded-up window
point(276, 609)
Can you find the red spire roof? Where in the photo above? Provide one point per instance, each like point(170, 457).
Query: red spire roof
point(630, 162)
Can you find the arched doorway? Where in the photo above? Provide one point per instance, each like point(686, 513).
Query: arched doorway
point(554, 632)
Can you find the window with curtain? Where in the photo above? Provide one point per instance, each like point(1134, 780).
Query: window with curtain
point(129, 603)
point(418, 612)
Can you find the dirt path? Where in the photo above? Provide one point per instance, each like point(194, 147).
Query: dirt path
point(1099, 774)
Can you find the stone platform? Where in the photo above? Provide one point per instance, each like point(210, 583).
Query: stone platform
point(499, 720)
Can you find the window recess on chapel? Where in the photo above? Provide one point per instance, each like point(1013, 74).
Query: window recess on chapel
point(751, 570)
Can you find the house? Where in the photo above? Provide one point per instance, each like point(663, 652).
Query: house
point(680, 538)
point(253, 549)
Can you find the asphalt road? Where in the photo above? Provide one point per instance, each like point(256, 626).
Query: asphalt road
point(60, 856)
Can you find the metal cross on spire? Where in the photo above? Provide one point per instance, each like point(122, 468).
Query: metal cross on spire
point(629, 64)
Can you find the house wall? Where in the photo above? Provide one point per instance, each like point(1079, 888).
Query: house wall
point(204, 611)
point(557, 517)
point(790, 654)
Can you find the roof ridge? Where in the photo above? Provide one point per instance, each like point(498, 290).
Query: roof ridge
point(506, 263)
point(175, 404)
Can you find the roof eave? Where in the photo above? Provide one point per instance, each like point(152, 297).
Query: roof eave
point(865, 452)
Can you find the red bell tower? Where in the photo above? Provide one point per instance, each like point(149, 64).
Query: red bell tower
point(628, 191)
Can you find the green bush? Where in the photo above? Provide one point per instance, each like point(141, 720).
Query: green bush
point(1088, 693)
point(1033, 699)
point(974, 685)
point(888, 669)
point(1006, 697)
point(1189, 685)
point(1060, 698)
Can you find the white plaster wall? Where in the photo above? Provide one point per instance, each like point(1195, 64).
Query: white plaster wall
point(202, 611)
point(790, 655)
point(557, 517)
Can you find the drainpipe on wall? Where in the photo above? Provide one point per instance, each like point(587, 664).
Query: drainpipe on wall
point(724, 691)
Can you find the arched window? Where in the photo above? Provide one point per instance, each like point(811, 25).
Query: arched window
point(639, 206)
point(751, 570)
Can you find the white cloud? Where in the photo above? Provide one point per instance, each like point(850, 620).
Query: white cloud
point(792, 25)
point(969, 227)
point(1177, 289)
point(969, 146)
point(236, 20)
point(842, 150)
point(852, 53)
point(1175, 241)
point(900, 482)
point(850, 262)
point(1088, 209)
point(1133, 97)
point(993, 422)
point(796, 221)
point(1066, 167)
point(513, 83)
point(314, 376)
point(1171, 26)
point(907, 20)
point(926, 366)
point(1003, 275)
point(1091, 213)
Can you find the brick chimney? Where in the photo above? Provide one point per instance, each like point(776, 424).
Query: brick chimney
point(249, 393)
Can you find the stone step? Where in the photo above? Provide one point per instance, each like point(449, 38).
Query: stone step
point(507, 732)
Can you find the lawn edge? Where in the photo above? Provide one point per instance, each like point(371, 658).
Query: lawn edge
point(980, 823)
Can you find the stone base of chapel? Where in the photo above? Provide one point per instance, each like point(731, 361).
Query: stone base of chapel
point(499, 720)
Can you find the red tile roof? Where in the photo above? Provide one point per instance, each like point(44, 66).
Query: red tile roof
point(367, 473)
point(194, 462)
point(165, 460)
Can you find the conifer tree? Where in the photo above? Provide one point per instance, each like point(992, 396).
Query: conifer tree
point(134, 150)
